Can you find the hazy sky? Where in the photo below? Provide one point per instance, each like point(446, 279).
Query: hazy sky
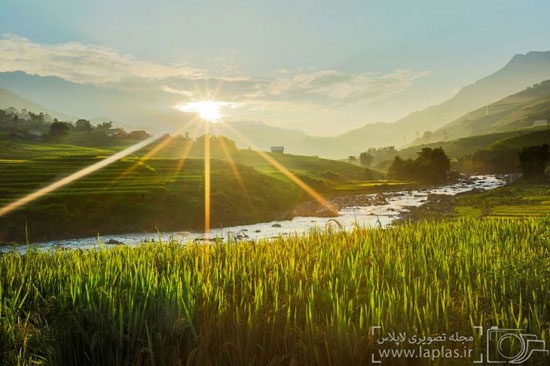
point(320, 66)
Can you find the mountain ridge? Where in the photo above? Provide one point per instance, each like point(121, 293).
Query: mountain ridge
point(9, 99)
point(148, 110)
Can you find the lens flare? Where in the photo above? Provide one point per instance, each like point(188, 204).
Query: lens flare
point(232, 164)
point(207, 181)
point(155, 150)
point(300, 183)
point(207, 110)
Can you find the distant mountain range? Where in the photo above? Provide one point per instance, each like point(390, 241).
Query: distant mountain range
point(527, 108)
point(143, 108)
point(9, 99)
point(519, 73)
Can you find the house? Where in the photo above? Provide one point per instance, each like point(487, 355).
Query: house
point(278, 149)
point(540, 123)
point(138, 135)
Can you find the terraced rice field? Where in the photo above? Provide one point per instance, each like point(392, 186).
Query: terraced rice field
point(534, 206)
point(20, 177)
point(520, 211)
point(131, 196)
point(518, 200)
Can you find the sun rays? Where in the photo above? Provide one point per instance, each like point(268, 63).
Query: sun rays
point(232, 164)
point(207, 112)
point(300, 183)
point(168, 140)
point(207, 179)
point(77, 175)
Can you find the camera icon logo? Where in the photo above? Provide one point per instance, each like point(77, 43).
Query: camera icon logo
point(511, 346)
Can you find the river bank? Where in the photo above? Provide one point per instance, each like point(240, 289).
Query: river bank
point(442, 206)
point(369, 210)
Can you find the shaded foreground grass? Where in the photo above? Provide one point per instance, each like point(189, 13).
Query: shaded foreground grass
point(299, 300)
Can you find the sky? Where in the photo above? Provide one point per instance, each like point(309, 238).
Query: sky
point(320, 66)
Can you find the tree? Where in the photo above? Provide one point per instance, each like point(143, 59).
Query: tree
point(397, 169)
point(59, 130)
point(83, 125)
point(366, 159)
point(533, 160)
point(489, 162)
point(105, 126)
point(380, 158)
point(431, 166)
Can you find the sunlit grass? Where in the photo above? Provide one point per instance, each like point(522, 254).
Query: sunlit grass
point(521, 210)
point(468, 211)
point(300, 300)
point(4, 210)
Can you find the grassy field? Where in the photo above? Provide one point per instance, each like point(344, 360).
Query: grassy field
point(155, 194)
point(518, 200)
point(126, 197)
point(520, 140)
point(241, 304)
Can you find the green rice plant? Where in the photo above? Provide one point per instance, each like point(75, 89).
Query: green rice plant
point(521, 210)
point(295, 300)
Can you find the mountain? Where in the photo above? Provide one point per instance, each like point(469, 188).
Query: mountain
point(518, 110)
point(144, 106)
point(520, 72)
point(9, 99)
point(133, 110)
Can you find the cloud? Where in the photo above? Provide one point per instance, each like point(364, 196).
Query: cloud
point(82, 63)
point(337, 87)
point(98, 65)
point(327, 88)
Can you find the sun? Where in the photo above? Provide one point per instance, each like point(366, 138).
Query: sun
point(207, 110)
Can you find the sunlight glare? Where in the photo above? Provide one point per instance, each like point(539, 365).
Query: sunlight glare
point(207, 110)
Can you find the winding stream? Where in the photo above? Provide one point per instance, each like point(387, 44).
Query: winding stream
point(364, 215)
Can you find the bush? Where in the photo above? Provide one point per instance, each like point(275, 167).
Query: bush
point(533, 160)
point(431, 166)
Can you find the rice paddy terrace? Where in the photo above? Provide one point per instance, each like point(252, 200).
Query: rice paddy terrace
point(519, 200)
point(157, 193)
point(131, 195)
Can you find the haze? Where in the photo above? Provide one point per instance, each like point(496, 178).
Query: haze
point(316, 66)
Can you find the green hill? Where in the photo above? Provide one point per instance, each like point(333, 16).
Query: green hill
point(491, 153)
point(518, 141)
point(514, 140)
point(130, 197)
point(154, 194)
point(520, 110)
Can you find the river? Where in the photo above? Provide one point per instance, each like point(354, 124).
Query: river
point(372, 215)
